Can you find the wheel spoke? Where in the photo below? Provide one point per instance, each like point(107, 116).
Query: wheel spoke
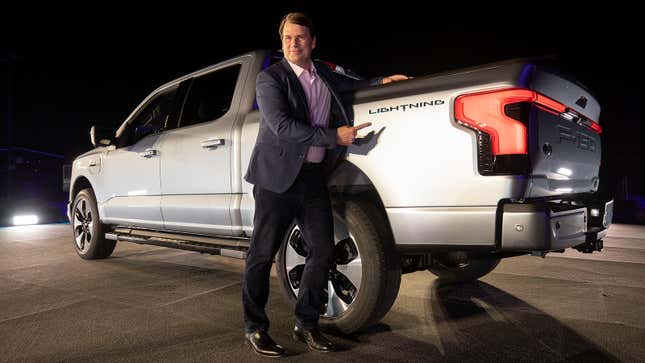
point(293, 258)
point(335, 306)
point(294, 277)
point(353, 271)
point(81, 241)
point(77, 222)
point(78, 214)
point(78, 236)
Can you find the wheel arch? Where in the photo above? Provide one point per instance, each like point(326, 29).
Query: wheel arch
point(80, 183)
point(349, 182)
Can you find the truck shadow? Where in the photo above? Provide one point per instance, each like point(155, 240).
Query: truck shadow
point(472, 323)
point(447, 323)
point(477, 321)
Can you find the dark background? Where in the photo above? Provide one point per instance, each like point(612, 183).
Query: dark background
point(63, 72)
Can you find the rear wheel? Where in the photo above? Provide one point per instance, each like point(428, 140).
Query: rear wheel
point(364, 280)
point(459, 266)
point(89, 233)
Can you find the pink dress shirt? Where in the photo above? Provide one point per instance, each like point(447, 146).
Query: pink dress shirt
point(319, 102)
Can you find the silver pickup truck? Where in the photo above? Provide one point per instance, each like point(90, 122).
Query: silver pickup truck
point(459, 170)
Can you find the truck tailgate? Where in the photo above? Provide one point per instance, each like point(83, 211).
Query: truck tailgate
point(564, 151)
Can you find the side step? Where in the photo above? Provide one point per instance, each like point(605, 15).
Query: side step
point(235, 248)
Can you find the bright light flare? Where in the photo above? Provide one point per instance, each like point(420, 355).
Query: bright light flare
point(25, 219)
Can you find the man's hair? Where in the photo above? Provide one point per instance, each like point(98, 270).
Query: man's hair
point(300, 19)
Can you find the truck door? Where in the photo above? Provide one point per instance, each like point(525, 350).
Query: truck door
point(196, 156)
point(130, 173)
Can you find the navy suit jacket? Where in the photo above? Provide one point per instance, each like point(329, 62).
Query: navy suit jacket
point(285, 132)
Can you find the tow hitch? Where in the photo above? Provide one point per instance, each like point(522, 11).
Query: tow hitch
point(591, 244)
point(600, 216)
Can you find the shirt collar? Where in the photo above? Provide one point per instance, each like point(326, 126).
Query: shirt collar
point(298, 70)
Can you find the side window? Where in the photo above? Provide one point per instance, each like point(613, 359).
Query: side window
point(151, 118)
point(210, 96)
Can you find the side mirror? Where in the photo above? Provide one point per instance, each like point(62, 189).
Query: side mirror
point(101, 136)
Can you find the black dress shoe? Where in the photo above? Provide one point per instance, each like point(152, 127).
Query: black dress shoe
point(263, 345)
point(314, 339)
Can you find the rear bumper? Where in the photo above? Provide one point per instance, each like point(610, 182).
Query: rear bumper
point(512, 227)
point(553, 226)
point(537, 227)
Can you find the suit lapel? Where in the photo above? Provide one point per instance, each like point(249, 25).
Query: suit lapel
point(323, 73)
point(297, 87)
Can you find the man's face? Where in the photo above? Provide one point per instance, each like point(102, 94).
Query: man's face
point(297, 44)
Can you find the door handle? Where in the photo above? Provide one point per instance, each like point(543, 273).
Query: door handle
point(92, 163)
point(148, 153)
point(207, 144)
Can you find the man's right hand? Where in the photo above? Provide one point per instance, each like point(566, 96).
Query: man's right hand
point(346, 134)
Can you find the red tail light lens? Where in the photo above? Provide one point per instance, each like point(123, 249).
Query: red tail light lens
point(594, 126)
point(485, 112)
point(331, 65)
point(502, 140)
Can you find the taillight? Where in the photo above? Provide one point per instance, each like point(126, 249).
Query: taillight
point(336, 68)
point(500, 119)
point(486, 112)
point(331, 65)
point(501, 139)
point(592, 125)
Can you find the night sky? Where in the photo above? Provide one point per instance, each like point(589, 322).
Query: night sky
point(70, 72)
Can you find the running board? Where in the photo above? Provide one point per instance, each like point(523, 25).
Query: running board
point(235, 248)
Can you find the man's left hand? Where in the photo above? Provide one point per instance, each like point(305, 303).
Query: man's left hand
point(394, 78)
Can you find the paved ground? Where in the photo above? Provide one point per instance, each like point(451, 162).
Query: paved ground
point(155, 304)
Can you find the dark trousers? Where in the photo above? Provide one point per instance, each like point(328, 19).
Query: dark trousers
point(306, 201)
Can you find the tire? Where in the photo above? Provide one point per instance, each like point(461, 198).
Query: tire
point(360, 234)
point(87, 229)
point(458, 267)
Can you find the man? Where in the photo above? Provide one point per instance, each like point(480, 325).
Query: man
point(297, 142)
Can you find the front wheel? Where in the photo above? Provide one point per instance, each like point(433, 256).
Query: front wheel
point(364, 280)
point(89, 233)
